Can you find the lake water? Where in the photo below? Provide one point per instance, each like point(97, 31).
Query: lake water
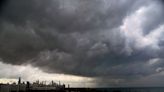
point(141, 89)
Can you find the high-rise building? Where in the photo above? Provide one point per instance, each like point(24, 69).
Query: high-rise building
point(19, 81)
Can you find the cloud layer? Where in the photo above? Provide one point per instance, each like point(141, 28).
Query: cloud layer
point(117, 39)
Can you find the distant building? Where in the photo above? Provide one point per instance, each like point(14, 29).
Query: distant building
point(19, 80)
point(26, 87)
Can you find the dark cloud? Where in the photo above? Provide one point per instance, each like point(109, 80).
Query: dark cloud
point(2, 3)
point(82, 37)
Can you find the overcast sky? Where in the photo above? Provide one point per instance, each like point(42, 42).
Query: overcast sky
point(99, 42)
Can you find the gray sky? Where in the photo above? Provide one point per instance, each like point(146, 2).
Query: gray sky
point(108, 42)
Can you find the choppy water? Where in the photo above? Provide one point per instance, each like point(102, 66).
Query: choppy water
point(146, 89)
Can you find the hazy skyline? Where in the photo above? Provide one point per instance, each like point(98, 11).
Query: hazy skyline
point(106, 42)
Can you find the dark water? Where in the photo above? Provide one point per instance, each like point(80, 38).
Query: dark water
point(148, 89)
point(141, 89)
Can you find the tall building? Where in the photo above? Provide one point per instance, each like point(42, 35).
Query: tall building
point(19, 81)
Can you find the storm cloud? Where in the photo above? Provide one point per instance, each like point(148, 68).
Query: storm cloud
point(119, 39)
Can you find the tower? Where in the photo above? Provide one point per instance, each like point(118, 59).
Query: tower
point(19, 80)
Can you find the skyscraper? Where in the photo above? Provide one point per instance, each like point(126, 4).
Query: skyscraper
point(19, 81)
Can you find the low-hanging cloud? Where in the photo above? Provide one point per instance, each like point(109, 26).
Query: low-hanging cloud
point(100, 38)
